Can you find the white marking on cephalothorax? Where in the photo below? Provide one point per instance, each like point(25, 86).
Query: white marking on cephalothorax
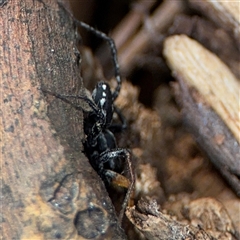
point(102, 101)
point(104, 86)
point(104, 94)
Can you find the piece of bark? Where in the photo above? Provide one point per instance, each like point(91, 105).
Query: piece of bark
point(49, 189)
point(223, 13)
point(153, 224)
point(209, 95)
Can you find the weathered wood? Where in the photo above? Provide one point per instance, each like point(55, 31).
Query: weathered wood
point(209, 95)
point(153, 224)
point(49, 188)
point(203, 218)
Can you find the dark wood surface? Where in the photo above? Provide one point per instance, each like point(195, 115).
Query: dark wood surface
point(49, 189)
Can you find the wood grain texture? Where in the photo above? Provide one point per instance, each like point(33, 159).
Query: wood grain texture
point(49, 189)
point(209, 75)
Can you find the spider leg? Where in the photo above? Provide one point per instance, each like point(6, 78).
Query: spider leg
point(97, 127)
point(113, 52)
point(112, 48)
point(62, 97)
point(111, 155)
point(65, 97)
point(118, 127)
point(117, 179)
point(120, 181)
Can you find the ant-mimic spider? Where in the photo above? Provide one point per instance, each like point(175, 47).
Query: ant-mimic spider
point(100, 144)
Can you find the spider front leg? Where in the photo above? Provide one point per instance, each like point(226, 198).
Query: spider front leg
point(112, 155)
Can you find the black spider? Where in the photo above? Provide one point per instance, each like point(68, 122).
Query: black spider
point(100, 144)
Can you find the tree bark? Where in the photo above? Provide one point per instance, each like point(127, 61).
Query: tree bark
point(49, 189)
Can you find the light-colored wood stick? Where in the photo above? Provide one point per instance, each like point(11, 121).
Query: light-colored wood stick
point(209, 96)
point(209, 75)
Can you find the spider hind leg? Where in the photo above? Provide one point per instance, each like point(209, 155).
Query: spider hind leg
point(118, 179)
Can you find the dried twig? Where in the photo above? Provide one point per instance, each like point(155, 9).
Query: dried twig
point(160, 20)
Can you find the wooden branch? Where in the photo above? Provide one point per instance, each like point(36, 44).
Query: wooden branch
point(160, 20)
point(209, 95)
point(49, 189)
point(129, 25)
